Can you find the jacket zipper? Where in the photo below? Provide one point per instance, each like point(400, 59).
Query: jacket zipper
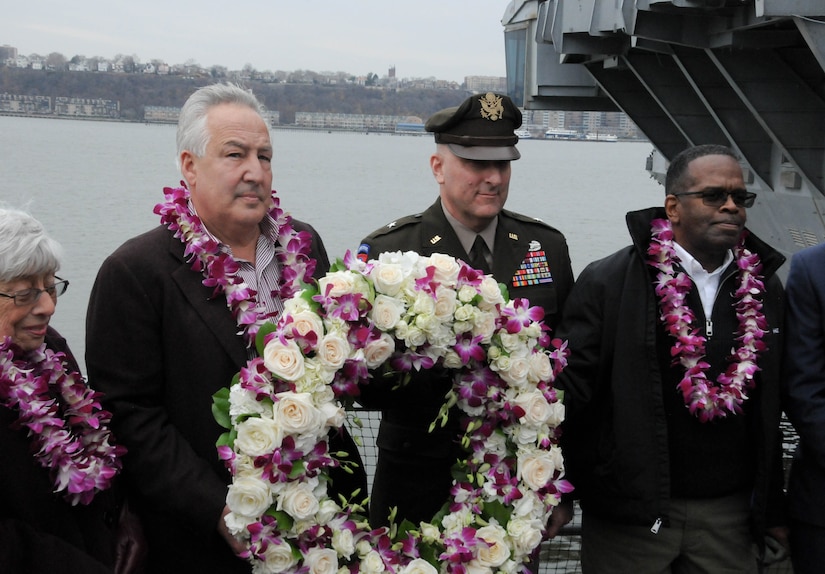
point(655, 528)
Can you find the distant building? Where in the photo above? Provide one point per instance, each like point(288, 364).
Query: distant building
point(479, 84)
point(8, 54)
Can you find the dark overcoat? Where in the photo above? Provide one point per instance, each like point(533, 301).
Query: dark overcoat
point(159, 344)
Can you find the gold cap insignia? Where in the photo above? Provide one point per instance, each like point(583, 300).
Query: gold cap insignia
point(435, 239)
point(491, 106)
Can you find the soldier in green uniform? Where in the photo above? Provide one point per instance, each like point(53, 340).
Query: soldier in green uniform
point(475, 144)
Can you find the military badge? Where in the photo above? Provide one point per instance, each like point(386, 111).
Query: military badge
point(491, 106)
point(534, 269)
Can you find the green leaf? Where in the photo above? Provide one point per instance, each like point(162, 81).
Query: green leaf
point(495, 509)
point(266, 329)
point(220, 408)
point(504, 292)
point(297, 469)
point(560, 395)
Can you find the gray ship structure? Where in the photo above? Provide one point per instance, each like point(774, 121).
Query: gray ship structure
point(749, 74)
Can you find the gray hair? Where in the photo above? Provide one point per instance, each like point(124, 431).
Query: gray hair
point(25, 248)
point(193, 136)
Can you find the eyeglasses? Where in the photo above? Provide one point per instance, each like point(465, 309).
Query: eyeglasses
point(28, 296)
point(718, 197)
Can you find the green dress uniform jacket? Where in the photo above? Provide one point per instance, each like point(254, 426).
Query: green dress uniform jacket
point(413, 471)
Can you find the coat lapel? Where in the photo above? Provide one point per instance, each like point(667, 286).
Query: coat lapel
point(510, 248)
point(212, 310)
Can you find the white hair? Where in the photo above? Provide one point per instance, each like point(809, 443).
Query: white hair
point(26, 250)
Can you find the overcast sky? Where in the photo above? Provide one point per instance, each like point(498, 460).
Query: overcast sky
point(447, 39)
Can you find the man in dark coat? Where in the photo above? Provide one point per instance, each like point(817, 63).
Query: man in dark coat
point(672, 437)
point(804, 389)
point(161, 340)
point(475, 144)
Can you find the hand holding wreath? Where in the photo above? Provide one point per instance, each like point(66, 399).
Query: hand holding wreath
point(398, 313)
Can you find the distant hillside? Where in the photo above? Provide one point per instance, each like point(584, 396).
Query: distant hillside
point(134, 91)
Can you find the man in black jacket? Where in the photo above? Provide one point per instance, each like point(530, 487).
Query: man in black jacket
point(672, 436)
point(475, 144)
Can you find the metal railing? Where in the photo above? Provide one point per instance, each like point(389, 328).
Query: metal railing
point(562, 554)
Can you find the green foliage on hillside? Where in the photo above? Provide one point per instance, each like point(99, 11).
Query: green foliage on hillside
point(134, 91)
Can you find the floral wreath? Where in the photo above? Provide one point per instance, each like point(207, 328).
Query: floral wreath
point(705, 399)
point(69, 429)
point(395, 314)
point(220, 269)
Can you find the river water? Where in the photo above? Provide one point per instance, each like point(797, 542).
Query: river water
point(93, 185)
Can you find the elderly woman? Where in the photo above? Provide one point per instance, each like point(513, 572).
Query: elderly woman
point(57, 456)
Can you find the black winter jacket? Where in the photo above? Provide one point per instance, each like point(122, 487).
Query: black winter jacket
point(615, 438)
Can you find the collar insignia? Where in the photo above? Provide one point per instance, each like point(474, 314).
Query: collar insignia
point(435, 239)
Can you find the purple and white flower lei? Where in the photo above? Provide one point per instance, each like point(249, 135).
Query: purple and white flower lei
point(705, 399)
point(220, 269)
point(69, 428)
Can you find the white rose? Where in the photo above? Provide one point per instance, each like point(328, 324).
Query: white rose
point(418, 566)
point(248, 496)
point(339, 283)
point(306, 322)
point(372, 563)
point(429, 532)
point(386, 312)
point(540, 367)
point(467, 293)
point(296, 305)
point(333, 350)
point(524, 435)
point(497, 552)
point(445, 303)
point(327, 510)
point(284, 360)
point(484, 324)
point(237, 523)
point(536, 468)
point(414, 337)
point(465, 313)
point(333, 414)
point(258, 436)
point(243, 402)
point(556, 414)
point(490, 292)
point(424, 304)
point(452, 360)
point(475, 567)
point(525, 534)
point(343, 542)
point(321, 561)
point(446, 268)
point(298, 500)
point(510, 341)
point(388, 278)
point(278, 558)
point(378, 351)
point(407, 260)
point(516, 374)
point(296, 413)
point(536, 408)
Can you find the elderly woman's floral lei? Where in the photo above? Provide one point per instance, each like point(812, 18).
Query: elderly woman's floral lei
point(395, 314)
point(69, 429)
point(220, 269)
point(706, 399)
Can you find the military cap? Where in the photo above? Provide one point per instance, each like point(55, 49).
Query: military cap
point(481, 128)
